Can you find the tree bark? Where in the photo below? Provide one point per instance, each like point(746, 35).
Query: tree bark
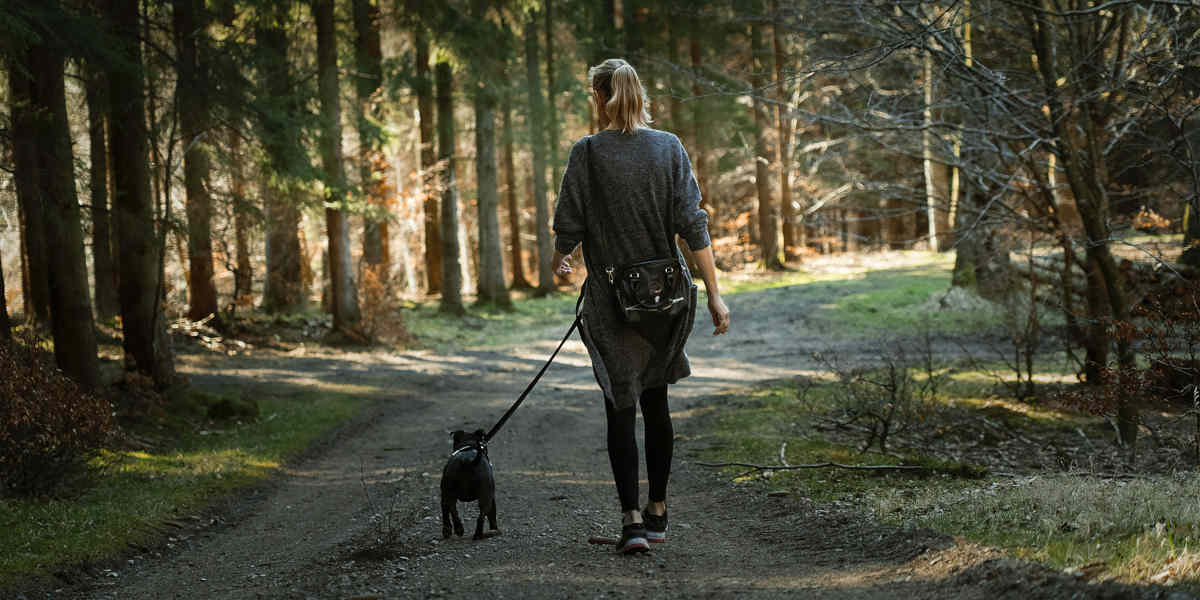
point(346, 313)
point(26, 150)
point(433, 234)
point(538, 147)
point(22, 252)
point(103, 273)
point(491, 264)
point(283, 287)
point(70, 302)
point(146, 345)
point(699, 145)
point(489, 67)
point(243, 274)
point(552, 140)
point(786, 126)
point(368, 53)
point(194, 121)
point(1095, 343)
point(5, 322)
point(1076, 142)
point(451, 265)
point(516, 259)
point(768, 218)
point(927, 149)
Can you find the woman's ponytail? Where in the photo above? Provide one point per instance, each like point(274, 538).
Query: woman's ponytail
point(627, 105)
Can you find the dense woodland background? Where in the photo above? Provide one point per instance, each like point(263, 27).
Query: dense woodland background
point(203, 158)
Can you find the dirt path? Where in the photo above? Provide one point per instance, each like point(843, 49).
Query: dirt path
point(304, 536)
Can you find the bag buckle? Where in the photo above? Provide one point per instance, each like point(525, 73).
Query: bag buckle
point(609, 270)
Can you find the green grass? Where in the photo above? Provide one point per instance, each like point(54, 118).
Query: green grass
point(137, 491)
point(751, 425)
point(488, 325)
point(1133, 530)
point(893, 295)
point(858, 301)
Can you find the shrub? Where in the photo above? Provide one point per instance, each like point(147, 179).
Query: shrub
point(50, 430)
point(381, 319)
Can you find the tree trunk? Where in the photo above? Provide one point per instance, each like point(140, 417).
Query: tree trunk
point(786, 126)
point(551, 104)
point(368, 53)
point(345, 296)
point(146, 346)
point(491, 264)
point(433, 234)
point(451, 265)
point(26, 149)
point(105, 283)
point(22, 252)
point(5, 323)
point(1076, 142)
point(70, 302)
point(519, 281)
point(283, 287)
point(1191, 222)
point(243, 274)
point(1095, 343)
point(699, 156)
point(194, 125)
point(768, 218)
point(927, 150)
point(538, 146)
point(674, 102)
point(966, 247)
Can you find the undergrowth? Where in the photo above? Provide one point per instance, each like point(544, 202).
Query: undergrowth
point(1136, 528)
point(188, 466)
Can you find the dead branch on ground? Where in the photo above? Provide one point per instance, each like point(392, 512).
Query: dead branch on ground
point(826, 465)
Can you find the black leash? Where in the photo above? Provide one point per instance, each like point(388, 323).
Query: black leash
point(512, 409)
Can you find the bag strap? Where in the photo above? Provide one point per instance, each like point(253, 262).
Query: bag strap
point(512, 409)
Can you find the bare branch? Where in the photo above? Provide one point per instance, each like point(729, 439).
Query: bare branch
point(827, 465)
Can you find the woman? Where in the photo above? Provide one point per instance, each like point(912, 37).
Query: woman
point(633, 182)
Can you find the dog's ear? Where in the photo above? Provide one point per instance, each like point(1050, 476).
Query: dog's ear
point(457, 436)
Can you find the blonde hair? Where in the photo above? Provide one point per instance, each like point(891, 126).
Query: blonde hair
point(627, 105)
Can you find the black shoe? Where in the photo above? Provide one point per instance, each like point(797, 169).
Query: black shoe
point(656, 526)
point(633, 539)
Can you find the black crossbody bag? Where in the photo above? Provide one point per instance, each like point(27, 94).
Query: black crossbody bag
point(645, 290)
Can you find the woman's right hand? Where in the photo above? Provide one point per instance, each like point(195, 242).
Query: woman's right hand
point(720, 314)
point(562, 265)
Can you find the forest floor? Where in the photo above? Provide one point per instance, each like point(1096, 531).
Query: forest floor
point(359, 517)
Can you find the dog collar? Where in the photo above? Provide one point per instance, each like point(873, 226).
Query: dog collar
point(479, 447)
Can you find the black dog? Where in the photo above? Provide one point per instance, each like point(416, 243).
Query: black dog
point(467, 478)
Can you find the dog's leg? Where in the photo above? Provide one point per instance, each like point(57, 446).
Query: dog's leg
point(446, 507)
point(458, 525)
point(479, 522)
point(492, 516)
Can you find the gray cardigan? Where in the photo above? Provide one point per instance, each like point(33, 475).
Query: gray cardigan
point(640, 176)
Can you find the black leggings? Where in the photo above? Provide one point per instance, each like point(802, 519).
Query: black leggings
point(623, 451)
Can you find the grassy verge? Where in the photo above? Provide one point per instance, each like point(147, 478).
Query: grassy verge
point(488, 325)
point(889, 292)
point(137, 491)
point(861, 300)
point(1134, 530)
